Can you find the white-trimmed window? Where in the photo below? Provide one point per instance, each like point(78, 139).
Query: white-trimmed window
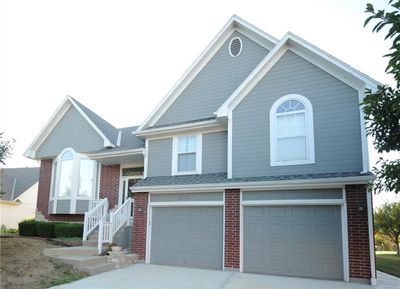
point(74, 176)
point(292, 131)
point(186, 154)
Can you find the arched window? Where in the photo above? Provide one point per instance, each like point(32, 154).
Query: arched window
point(292, 131)
point(74, 176)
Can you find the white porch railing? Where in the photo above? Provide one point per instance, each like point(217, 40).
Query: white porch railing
point(94, 203)
point(94, 216)
point(118, 219)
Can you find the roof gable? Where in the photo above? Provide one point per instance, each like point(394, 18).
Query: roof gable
point(234, 23)
point(306, 50)
point(100, 126)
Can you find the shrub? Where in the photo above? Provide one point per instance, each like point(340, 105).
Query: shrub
point(68, 230)
point(5, 230)
point(27, 228)
point(45, 229)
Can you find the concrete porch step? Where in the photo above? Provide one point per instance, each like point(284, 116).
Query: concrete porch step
point(67, 251)
point(97, 268)
point(79, 261)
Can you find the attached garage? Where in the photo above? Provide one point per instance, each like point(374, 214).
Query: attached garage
point(187, 230)
point(293, 233)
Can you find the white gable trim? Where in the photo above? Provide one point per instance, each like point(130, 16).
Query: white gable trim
point(311, 53)
point(53, 121)
point(234, 23)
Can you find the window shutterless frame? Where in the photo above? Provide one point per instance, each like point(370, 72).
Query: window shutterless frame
point(309, 131)
point(176, 153)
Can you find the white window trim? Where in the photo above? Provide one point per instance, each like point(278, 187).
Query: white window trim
point(309, 131)
point(75, 178)
point(241, 46)
point(175, 147)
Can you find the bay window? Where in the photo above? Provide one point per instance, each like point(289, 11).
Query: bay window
point(73, 180)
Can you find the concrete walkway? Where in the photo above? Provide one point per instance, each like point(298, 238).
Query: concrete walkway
point(386, 281)
point(141, 276)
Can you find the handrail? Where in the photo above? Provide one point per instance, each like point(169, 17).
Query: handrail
point(118, 219)
point(94, 217)
point(120, 216)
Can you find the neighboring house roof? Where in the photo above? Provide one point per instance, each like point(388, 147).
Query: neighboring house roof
point(114, 139)
point(15, 181)
point(215, 179)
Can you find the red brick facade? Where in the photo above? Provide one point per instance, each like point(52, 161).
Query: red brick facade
point(44, 194)
point(232, 228)
point(109, 184)
point(357, 221)
point(140, 224)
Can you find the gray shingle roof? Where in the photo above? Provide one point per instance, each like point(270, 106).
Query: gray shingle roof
point(128, 140)
point(222, 178)
point(105, 127)
point(24, 179)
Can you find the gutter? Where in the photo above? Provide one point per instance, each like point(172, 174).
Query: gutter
point(117, 153)
point(262, 185)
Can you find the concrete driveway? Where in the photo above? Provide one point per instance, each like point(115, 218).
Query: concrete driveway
point(155, 277)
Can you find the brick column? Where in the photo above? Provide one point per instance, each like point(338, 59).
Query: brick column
point(232, 229)
point(42, 204)
point(357, 222)
point(109, 184)
point(140, 224)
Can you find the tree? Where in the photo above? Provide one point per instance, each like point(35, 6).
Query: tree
point(5, 148)
point(387, 222)
point(382, 107)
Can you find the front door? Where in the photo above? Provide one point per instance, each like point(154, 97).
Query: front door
point(127, 182)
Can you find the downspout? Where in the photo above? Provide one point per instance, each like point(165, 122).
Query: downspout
point(13, 190)
point(371, 238)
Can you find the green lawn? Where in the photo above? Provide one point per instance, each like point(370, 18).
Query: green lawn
point(388, 262)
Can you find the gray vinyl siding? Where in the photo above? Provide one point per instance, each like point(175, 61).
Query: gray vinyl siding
point(214, 152)
point(81, 206)
point(71, 131)
point(214, 83)
point(337, 131)
point(159, 161)
point(50, 211)
point(292, 195)
point(63, 206)
point(186, 197)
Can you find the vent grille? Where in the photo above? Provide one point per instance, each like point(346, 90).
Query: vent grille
point(235, 47)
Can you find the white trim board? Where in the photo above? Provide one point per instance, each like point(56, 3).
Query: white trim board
point(234, 23)
point(53, 121)
point(265, 185)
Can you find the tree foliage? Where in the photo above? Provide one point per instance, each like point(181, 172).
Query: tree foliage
point(382, 107)
point(5, 148)
point(387, 222)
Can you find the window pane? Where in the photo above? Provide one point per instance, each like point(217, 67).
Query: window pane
point(132, 171)
point(68, 155)
point(290, 105)
point(187, 162)
point(187, 144)
point(291, 125)
point(293, 148)
point(65, 178)
point(86, 177)
point(54, 179)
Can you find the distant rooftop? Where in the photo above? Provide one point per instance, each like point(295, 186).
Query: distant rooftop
point(15, 181)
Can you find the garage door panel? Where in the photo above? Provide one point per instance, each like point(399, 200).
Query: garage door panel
point(187, 236)
point(293, 240)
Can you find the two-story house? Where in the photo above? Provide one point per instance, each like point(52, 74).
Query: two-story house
point(256, 161)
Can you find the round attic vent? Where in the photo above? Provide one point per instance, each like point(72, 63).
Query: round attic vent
point(235, 46)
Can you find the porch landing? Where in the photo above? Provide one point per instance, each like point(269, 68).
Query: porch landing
point(87, 260)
